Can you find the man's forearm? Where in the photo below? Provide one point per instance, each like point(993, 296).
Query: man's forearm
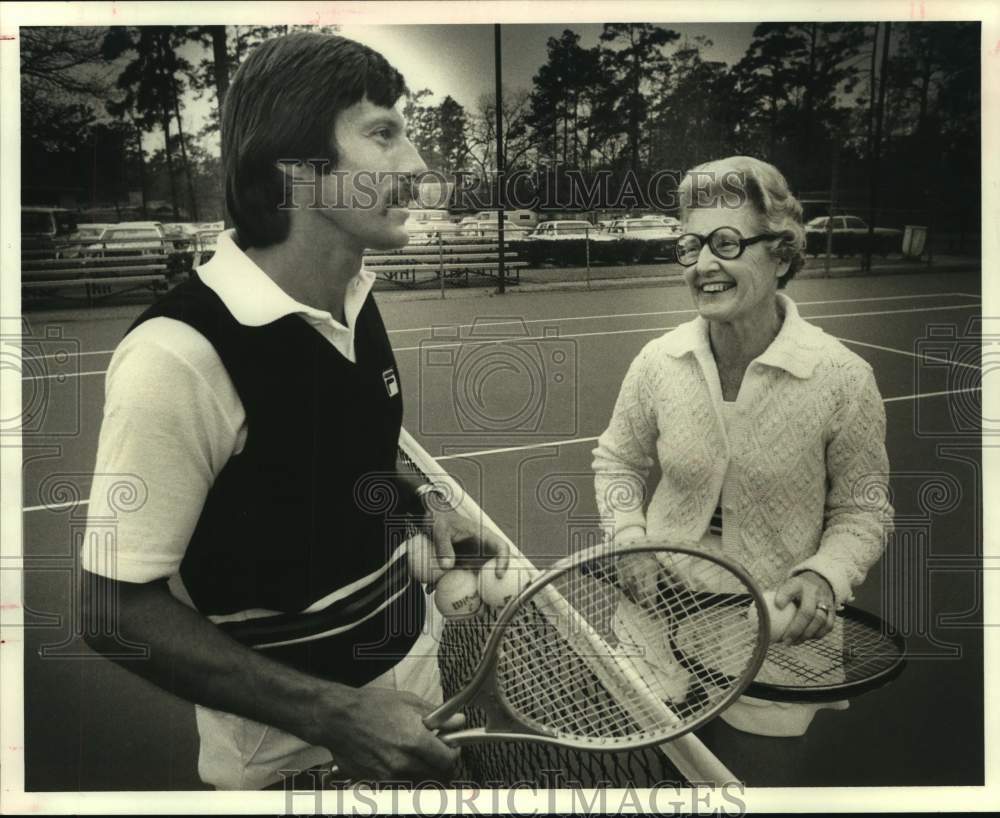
point(192, 658)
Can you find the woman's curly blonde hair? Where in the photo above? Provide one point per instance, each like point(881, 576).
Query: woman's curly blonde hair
point(731, 181)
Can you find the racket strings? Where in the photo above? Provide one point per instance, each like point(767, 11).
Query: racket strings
point(851, 651)
point(707, 606)
point(545, 677)
point(546, 682)
point(719, 637)
point(497, 764)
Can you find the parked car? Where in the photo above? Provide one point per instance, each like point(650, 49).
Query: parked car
point(563, 229)
point(524, 218)
point(83, 235)
point(44, 230)
point(565, 241)
point(89, 232)
point(205, 245)
point(129, 240)
point(850, 236)
point(648, 238)
point(182, 245)
point(670, 221)
point(645, 228)
point(181, 234)
point(511, 232)
point(425, 226)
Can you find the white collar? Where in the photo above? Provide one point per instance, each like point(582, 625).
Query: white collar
point(796, 348)
point(253, 297)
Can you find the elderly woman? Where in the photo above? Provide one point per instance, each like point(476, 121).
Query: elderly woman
point(769, 434)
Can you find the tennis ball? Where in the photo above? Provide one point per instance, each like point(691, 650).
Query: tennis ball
point(780, 618)
point(498, 592)
point(422, 558)
point(457, 593)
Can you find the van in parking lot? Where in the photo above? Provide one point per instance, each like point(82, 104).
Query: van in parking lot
point(521, 218)
point(44, 229)
point(424, 225)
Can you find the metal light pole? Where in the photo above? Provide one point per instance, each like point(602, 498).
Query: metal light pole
point(501, 270)
point(832, 206)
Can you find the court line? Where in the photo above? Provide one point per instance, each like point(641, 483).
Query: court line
point(548, 444)
point(933, 358)
point(524, 448)
point(472, 342)
point(59, 506)
point(57, 354)
point(63, 375)
point(574, 441)
point(468, 342)
point(689, 310)
point(588, 318)
point(921, 395)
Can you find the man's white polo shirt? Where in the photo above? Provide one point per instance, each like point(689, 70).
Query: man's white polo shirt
point(172, 417)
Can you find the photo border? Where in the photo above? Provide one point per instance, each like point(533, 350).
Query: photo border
point(806, 799)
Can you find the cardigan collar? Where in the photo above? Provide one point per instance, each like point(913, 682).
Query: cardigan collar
point(796, 348)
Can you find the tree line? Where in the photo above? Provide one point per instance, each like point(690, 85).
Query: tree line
point(883, 115)
point(89, 95)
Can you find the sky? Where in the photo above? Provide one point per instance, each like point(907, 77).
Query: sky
point(458, 60)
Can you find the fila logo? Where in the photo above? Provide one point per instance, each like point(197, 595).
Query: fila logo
point(391, 383)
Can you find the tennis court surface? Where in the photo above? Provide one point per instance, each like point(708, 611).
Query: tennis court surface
point(510, 394)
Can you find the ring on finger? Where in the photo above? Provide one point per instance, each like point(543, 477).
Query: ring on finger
point(824, 608)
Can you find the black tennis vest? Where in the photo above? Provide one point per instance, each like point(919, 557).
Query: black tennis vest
point(306, 509)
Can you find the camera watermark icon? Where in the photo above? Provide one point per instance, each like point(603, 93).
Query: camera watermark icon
point(954, 360)
point(498, 379)
point(64, 585)
point(934, 568)
point(48, 363)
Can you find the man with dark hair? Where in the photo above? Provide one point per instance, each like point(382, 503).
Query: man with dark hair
point(250, 404)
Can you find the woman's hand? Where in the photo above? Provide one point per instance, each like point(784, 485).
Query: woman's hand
point(637, 573)
point(816, 606)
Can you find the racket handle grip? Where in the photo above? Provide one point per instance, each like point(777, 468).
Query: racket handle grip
point(460, 738)
point(436, 720)
point(438, 717)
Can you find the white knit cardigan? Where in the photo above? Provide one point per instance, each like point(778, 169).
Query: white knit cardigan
point(802, 477)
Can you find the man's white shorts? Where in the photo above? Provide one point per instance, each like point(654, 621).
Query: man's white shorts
point(240, 754)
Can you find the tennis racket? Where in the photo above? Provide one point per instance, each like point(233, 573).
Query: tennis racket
point(568, 660)
point(860, 653)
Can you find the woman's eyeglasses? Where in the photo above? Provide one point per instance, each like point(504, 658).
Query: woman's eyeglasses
point(724, 242)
